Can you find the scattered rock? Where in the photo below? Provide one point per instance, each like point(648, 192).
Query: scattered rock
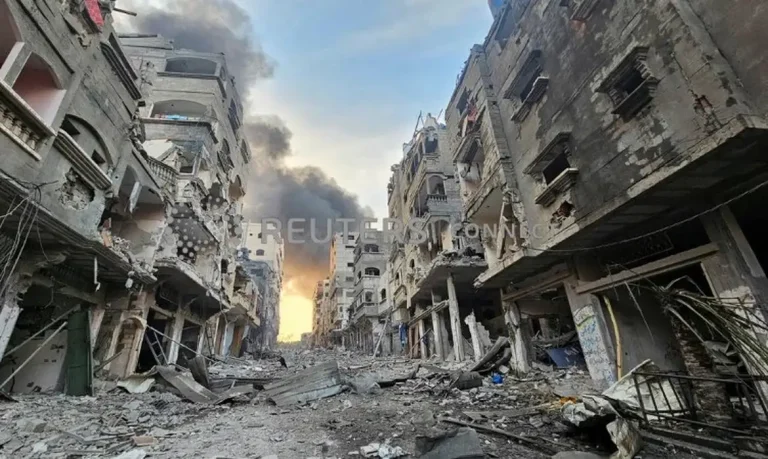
point(133, 454)
point(31, 425)
point(144, 440)
point(461, 443)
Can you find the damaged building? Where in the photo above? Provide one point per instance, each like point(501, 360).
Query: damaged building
point(261, 257)
point(436, 310)
point(369, 297)
point(614, 150)
point(122, 190)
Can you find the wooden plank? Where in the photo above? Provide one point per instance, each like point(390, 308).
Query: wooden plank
point(654, 268)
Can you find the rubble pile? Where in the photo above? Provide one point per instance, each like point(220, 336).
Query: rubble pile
point(332, 404)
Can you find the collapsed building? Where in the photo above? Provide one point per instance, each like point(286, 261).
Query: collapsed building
point(340, 290)
point(614, 146)
point(320, 317)
point(122, 192)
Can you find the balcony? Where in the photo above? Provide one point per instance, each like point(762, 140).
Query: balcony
point(366, 310)
point(84, 164)
point(182, 129)
point(166, 175)
point(469, 143)
point(20, 122)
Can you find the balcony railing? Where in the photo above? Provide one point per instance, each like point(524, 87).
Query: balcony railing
point(20, 122)
point(165, 174)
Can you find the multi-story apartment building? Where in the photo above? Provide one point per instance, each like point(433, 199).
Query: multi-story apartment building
point(264, 255)
point(433, 262)
point(319, 301)
point(121, 199)
point(342, 282)
point(607, 141)
point(370, 263)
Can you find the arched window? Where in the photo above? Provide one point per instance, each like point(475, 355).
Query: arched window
point(193, 65)
point(412, 263)
point(372, 272)
point(369, 297)
point(89, 140)
point(179, 110)
point(435, 185)
point(260, 252)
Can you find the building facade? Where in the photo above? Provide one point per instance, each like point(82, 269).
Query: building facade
point(370, 264)
point(263, 258)
point(342, 283)
point(607, 143)
point(433, 262)
point(122, 187)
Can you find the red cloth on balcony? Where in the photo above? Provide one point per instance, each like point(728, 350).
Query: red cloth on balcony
point(94, 12)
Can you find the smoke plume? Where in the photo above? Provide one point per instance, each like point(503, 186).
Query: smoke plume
point(211, 26)
point(282, 192)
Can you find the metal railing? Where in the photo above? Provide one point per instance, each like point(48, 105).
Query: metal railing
point(675, 397)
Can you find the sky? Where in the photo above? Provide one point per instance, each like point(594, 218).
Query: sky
point(350, 79)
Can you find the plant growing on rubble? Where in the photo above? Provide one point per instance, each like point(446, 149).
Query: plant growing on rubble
point(728, 320)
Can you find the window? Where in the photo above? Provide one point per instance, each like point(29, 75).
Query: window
point(552, 168)
point(350, 279)
point(412, 264)
point(260, 252)
point(9, 33)
point(461, 105)
point(630, 85)
point(40, 88)
point(371, 248)
point(528, 87)
point(193, 65)
point(350, 265)
point(234, 116)
point(383, 294)
point(372, 272)
point(351, 237)
point(180, 110)
point(369, 297)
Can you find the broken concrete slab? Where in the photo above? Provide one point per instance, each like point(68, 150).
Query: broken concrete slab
point(187, 386)
point(320, 381)
point(133, 454)
point(626, 437)
point(467, 380)
point(462, 443)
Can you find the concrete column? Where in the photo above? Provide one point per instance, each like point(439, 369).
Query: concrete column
point(97, 317)
point(437, 330)
point(594, 337)
point(446, 344)
point(453, 309)
point(422, 341)
point(8, 316)
point(176, 329)
point(477, 348)
point(201, 339)
point(517, 335)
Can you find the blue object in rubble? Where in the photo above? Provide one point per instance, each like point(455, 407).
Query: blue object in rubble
point(497, 378)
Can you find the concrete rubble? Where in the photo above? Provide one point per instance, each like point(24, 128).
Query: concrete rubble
point(414, 413)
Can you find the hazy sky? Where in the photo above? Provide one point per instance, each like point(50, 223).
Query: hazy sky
point(351, 78)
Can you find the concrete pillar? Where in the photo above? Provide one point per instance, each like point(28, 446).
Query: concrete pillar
point(201, 339)
point(97, 317)
point(437, 330)
point(453, 309)
point(176, 329)
point(594, 337)
point(517, 335)
point(422, 340)
point(477, 348)
point(8, 316)
point(446, 344)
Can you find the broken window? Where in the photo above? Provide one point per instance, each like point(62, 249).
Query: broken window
point(40, 88)
point(371, 248)
point(88, 139)
point(461, 105)
point(528, 87)
point(191, 65)
point(631, 85)
point(234, 116)
point(179, 110)
point(372, 272)
point(369, 297)
point(552, 168)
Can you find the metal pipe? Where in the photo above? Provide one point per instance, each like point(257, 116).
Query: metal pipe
point(39, 332)
point(31, 356)
point(180, 344)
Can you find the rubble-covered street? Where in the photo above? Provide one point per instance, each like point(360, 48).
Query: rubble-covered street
point(364, 420)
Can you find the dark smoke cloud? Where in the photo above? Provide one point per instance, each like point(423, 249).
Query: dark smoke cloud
point(212, 26)
point(281, 192)
point(269, 137)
